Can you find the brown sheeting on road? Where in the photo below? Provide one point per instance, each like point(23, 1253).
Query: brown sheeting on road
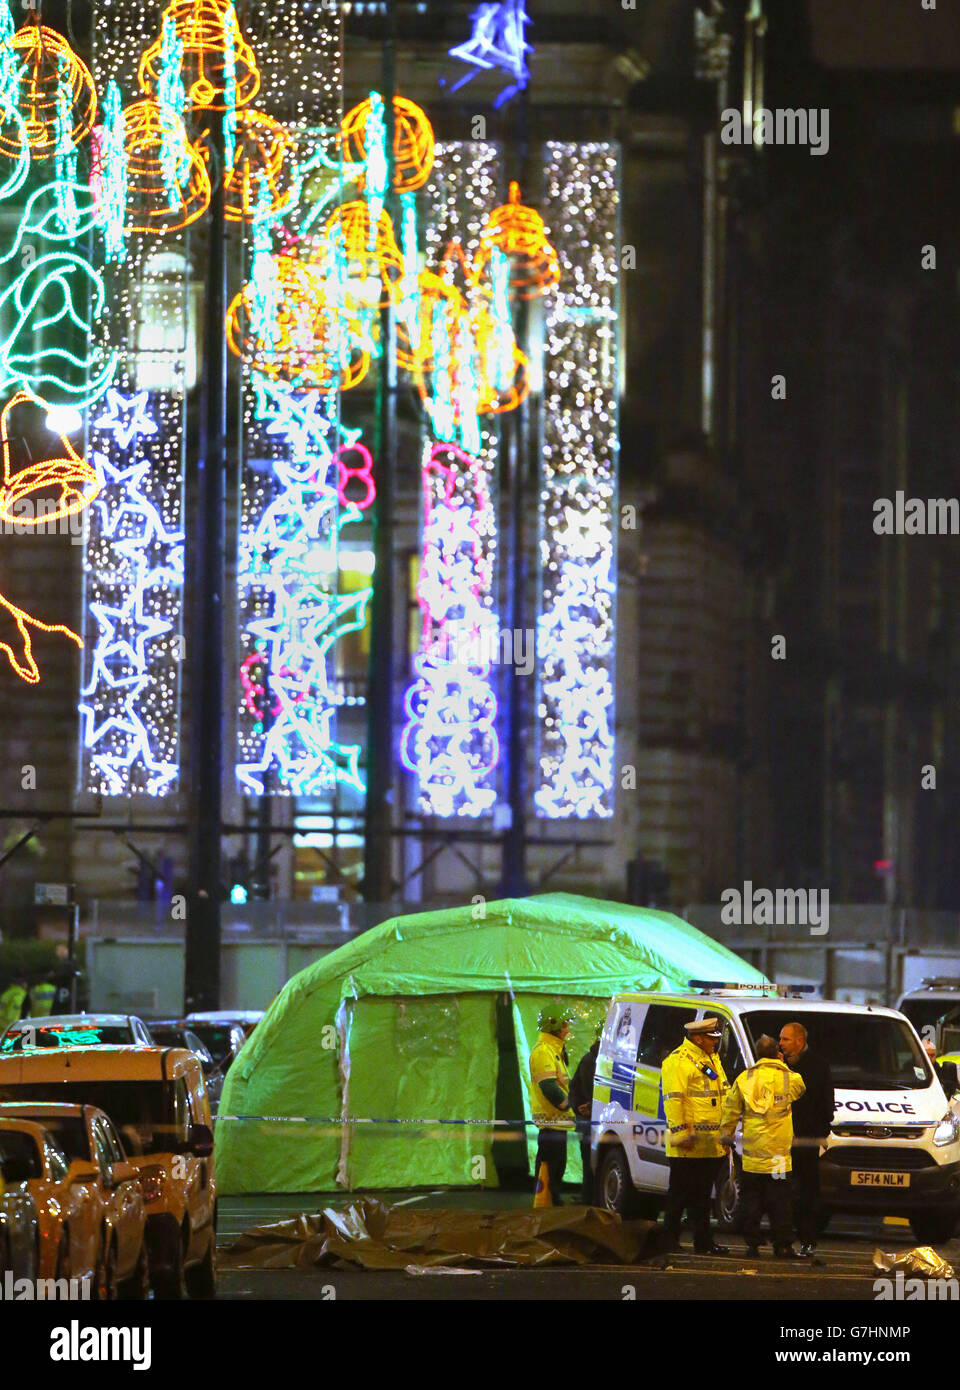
point(375, 1236)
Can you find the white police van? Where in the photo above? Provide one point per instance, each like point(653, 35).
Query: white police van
point(933, 1008)
point(893, 1148)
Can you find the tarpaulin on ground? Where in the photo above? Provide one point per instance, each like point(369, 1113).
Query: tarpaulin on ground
point(385, 1063)
point(375, 1236)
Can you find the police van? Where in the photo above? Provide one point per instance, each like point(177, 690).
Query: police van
point(934, 1010)
point(893, 1148)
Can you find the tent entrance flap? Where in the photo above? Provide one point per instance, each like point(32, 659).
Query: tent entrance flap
point(416, 1059)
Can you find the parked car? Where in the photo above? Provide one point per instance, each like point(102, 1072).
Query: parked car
point(84, 1132)
point(223, 1039)
point(157, 1099)
point(67, 1202)
point(75, 1030)
point(246, 1018)
point(19, 1232)
point(171, 1032)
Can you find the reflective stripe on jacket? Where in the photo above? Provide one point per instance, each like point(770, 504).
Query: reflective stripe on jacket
point(762, 1096)
point(41, 1000)
point(693, 1089)
point(546, 1061)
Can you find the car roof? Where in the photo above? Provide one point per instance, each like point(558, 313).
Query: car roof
point(31, 1127)
point(113, 1062)
point(227, 1016)
point(90, 1020)
point(49, 1109)
point(736, 1003)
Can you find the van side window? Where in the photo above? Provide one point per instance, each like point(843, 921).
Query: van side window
point(662, 1032)
point(731, 1056)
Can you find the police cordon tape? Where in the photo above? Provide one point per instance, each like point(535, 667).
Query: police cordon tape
point(338, 1120)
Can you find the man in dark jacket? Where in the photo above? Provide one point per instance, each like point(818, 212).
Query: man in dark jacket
point(812, 1118)
point(581, 1102)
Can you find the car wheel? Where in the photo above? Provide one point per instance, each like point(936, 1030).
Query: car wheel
point(933, 1227)
point(615, 1185)
point(138, 1285)
point(171, 1283)
point(728, 1205)
point(202, 1278)
point(105, 1288)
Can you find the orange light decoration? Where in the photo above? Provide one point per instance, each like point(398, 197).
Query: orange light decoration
point(363, 257)
point(434, 290)
point(71, 475)
point(301, 341)
point(262, 157)
point(37, 56)
point(145, 124)
point(413, 142)
point(490, 399)
point(201, 26)
point(519, 233)
point(75, 478)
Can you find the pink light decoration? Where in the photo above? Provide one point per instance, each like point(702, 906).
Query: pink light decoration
point(346, 473)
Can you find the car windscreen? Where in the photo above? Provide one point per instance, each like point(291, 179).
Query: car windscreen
point(218, 1038)
point(866, 1052)
point(63, 1035)
point(150, 1115)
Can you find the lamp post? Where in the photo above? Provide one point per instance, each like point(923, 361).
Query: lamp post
point(205, 653)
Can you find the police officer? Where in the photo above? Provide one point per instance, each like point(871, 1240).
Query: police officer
point(549, 1096)
point(694, 1087)
point(11, 1002)
point(41, 997)
point(581, 1103)
point(762, 1097)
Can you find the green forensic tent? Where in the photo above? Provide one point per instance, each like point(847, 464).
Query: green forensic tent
point(418, 1034)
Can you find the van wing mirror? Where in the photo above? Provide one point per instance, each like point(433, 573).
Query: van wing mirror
point(200, 1140)
point(81, 1170)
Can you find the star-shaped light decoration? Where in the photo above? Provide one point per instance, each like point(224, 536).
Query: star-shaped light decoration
point(137, 420)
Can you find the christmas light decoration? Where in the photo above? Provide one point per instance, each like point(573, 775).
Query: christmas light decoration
point(360, 255)
point(76, 483)
point(162, 196)
point(288, 576)
point(135, 607)
point(575, 628)
point(497, 41)
point(49, 76)
point(262, 159)
point(75, 480)
point(449, 738)
point(413, 140)
point(219, 68)
point(519, 233)
point(282, 326)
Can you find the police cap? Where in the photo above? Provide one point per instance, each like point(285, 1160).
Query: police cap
point(709, 1026)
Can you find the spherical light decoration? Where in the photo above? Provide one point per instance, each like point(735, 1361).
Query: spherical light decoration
point(262, 160)
point(43, 59)
point(204, 27)
point(300, 338)
point(413, 142)
point(146, 125)
point(518, 231)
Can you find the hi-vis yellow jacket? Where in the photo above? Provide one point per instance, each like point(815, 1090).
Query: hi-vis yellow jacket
point(763, 1095)
point(546, 1062)
point(693, 1090)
